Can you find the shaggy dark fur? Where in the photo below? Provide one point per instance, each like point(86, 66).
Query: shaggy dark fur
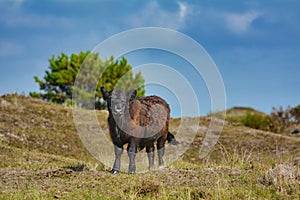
point(140, 122)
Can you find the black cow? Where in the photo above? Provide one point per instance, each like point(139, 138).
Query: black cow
point(138, 122)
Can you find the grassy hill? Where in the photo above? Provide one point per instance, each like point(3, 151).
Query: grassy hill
point(241, 111)
point(42, 157)
point(235, 114)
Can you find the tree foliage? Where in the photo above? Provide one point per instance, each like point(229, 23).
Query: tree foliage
point(58, 83)
point(295, 112)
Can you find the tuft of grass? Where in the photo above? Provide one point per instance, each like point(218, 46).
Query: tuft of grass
point(285, 178)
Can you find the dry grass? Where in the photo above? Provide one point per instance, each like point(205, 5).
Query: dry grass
point(42, 157)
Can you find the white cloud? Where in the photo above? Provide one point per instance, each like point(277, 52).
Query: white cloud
point(14, 15)
point(18, 3)
point(240, 23)
point(8, 49)
point(31, 20)
point(152, 14)
point(183, 9)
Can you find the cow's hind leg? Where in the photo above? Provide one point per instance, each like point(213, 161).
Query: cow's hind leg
point(117, 163)
point(150, 153)
point(161, 151)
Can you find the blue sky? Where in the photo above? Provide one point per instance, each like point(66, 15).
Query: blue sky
point(255, 44)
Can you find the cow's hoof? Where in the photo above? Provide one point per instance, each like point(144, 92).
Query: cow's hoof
point(152, 168)
point(113, 171)
point(161, 167)
point(131, 172)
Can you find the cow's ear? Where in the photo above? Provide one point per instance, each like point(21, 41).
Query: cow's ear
point(105, 93)
point(131, 94)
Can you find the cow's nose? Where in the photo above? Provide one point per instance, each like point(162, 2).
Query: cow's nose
point(118, 108)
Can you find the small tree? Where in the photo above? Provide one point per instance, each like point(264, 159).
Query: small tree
point(295, 112)
point(280, 119)
point(57, 84)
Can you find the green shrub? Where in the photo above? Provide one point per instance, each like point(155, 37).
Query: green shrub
point(255, 120)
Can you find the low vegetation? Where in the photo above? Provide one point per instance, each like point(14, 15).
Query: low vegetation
point(280, 120)
point(42, 157)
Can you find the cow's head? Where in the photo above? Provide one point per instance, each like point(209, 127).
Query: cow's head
point(118, 101)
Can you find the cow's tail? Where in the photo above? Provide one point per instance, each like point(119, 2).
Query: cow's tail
point(171, 139)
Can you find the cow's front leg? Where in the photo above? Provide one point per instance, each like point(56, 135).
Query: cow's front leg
point(117, 163)
point(131, 151)
point(150, 153)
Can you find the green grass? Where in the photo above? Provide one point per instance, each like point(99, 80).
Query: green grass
point(40, 149)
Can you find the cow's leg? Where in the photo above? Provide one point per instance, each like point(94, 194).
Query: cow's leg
point(117, 163)
point(131, 151)
point(161, 151)
point(150, 153)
